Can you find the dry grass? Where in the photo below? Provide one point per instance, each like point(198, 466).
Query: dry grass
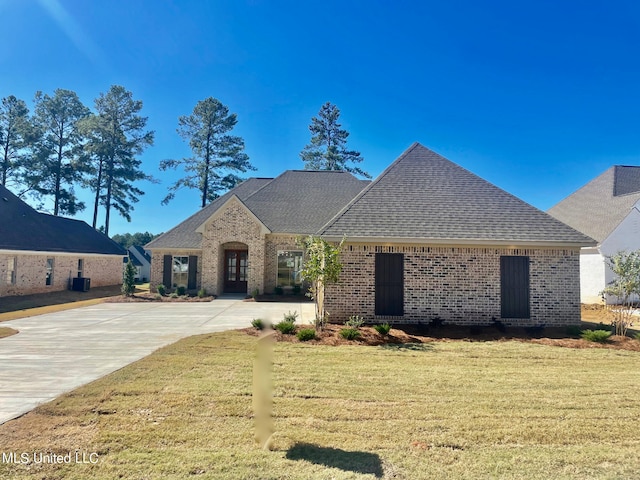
point(7, 332)
point(446, 409)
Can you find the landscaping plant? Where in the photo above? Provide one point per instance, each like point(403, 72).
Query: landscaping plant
point(306, 334)
point(600, 336)
point(349, 333)
point(129, 279)
point(322, 267)
point(257, 323)
point(624, 287)
point(355, 321)
point(383, 329)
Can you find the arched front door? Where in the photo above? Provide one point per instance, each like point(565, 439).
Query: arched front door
point(236, 264)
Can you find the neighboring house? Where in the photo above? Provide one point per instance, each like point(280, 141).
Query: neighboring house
point(427, 239)
point(43, 253)
point(141, 259)
point(608, 210)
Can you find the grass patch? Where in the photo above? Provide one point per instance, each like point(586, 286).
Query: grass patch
point(464, 410)
point(7, 332)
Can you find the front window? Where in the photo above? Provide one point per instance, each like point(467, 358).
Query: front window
point(180, 271)
point(49, 272)
point(11, 270)
point(289, 267)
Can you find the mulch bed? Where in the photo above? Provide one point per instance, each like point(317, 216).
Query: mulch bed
point(412, 336)
point(152, 297)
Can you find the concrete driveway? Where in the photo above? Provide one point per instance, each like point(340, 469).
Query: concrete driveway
point(57, 352)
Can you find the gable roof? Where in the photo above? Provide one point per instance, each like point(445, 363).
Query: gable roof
point(23, 228)
point(422, 196)
point(598, 207)
point(297, 201)
point(142, 252)
point(137, 252)
point(184, 234)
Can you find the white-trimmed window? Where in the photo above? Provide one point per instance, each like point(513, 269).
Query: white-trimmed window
point(11, 270)
point(289, 267)
point(80, 268)
point(49, 272)
point(180, 271)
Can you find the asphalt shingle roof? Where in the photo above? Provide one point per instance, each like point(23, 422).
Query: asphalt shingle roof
point(297, 201)
point(598, 207)
point(424, 196)
point(184, 235)
point(23, 228)
point(302, 201)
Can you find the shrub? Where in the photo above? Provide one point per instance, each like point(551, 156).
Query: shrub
point(383, 329)
point(296, 289)
point(174, 295)
point(182, 290)
point(355, 321)
point(129, 281)
point(255, 293)
point(157, 296)
point(202, 293)
point(306, 334)
point(349, 333)
point(636, 335)
point(162, 290)
point(279, 290)
point(600, 336)
point(257, 323)
point(291, 317)
point(287, 328)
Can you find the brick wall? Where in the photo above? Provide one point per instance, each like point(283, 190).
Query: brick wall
point(30, 270)
point(232, 225)
point(459, 284)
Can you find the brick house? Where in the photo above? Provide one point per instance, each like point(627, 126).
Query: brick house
point(42, 253)
point(427, 239)
point(608, 210)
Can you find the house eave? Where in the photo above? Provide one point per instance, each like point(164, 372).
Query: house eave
point(457, 242)
point(7, 251)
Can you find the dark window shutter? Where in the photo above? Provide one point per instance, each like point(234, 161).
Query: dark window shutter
point(514, 287)
point(167, 270)
point(193, 272)
point(389, 296)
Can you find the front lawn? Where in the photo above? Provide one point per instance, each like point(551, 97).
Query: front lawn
point(444, 409)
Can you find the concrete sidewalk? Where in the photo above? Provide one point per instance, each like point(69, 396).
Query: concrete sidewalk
point(57, 352)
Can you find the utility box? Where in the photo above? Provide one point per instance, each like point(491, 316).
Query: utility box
point(81, 284)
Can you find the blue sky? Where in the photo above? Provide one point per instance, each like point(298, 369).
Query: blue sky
point(538, 97)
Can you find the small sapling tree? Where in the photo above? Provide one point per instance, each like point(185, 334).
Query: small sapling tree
point(322, 267)
point(624, 289)
point(129, 279)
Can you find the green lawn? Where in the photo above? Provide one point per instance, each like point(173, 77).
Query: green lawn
point(449, 410)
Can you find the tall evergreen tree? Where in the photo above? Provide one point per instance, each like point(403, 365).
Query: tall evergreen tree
point(216, 155)
point(14, 137)
point(116, 136)
point(57, 166)
point(328, 147)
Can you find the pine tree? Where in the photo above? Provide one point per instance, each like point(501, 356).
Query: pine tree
point(57, 164)
point(14, 137)
point(216, 155)
point(116, 136)
point(328, 147)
